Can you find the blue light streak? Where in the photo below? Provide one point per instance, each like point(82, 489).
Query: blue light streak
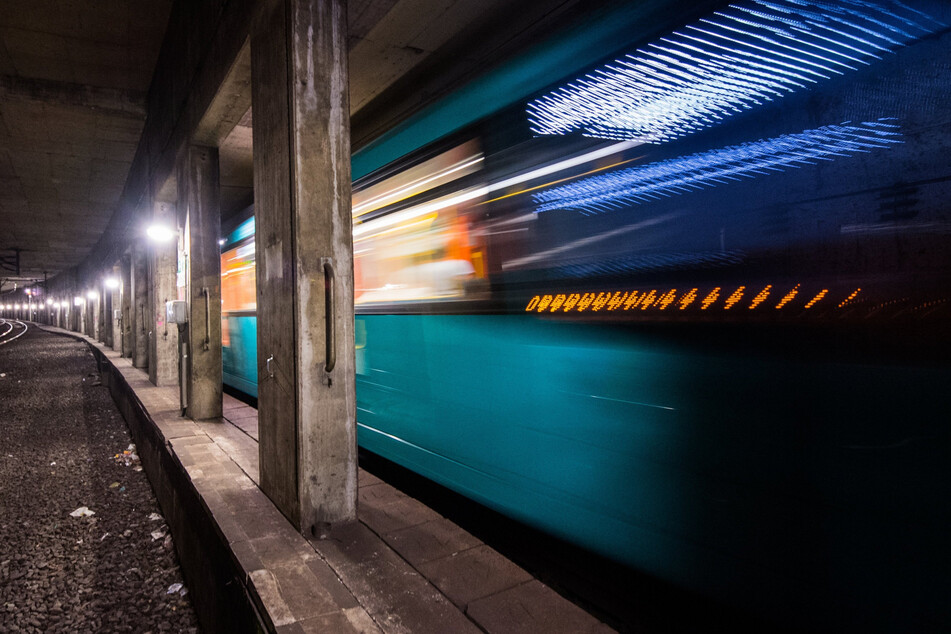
point(636, 185)
point(747, 55)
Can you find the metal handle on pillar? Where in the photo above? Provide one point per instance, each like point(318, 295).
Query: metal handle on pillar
point(206, 344)
point(331, 351)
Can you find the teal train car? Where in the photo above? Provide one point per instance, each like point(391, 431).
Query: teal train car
point(686, 307)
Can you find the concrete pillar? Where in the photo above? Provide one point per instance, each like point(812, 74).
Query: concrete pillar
point(125, 305)
point(101, 318)
point(306, 408)
point(89, 314)
point(163, 265)
point(115, 302)
point(199, 200)
point(76, 308)
point(140, 302)
point(106, 318)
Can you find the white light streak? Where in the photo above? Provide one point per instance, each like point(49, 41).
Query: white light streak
point(747, 55)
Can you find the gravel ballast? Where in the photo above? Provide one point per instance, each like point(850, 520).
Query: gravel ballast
point(65, 446)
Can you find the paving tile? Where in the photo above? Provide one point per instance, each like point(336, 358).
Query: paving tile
point(533, 607)
point(379, 493)
point(266, 587)
point(473, 574)
point(394, 594)
point(303, 593)
point(393, 514)
point(367, 479)
point(354, 620)
point(184, 441)
point(246, 555)
point(329, 580)
point(241, 413)
point(429, 541)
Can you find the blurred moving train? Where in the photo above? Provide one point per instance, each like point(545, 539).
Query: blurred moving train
point(687, 307)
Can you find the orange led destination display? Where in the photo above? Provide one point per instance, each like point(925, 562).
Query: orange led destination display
point(674, 300)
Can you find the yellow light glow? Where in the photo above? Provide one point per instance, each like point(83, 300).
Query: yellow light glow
point(734, 297)
point(616, 300)
point(648, 300)
point(687, 299)
point(585, 301)
point(818, 297)
point(760, 297)
point(711, 297)
point(850, 297)
point(658, 299)
point(788, 297)
point(667, 299)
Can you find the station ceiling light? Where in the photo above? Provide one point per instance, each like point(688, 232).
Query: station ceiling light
point(161, 233)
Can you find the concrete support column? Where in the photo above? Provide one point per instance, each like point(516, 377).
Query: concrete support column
point(89, 314)
point(76, 309)
point(115, 312)
point(306, 406)
point(163, 265)
point(199, 200)
point(106, 318)
point(125, 305)
point(140, 304)
point(101, 318)
point(92, 304)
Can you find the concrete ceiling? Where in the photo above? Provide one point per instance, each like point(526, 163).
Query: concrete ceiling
point(74, 78)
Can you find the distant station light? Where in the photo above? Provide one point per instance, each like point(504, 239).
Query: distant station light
point(92, 295)
point(748, 54)
point(111, 282)
point(78, 301)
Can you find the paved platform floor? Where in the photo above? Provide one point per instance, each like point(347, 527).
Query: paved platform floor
point(401, 568)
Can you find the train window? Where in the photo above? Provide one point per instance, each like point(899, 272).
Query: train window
point(238, 279)
point(413, 238)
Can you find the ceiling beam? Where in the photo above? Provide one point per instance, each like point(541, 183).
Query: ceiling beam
point(108, 101)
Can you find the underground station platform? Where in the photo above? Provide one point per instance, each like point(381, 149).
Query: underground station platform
point(400, 568)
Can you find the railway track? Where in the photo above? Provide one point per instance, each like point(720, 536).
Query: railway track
point(11, 330)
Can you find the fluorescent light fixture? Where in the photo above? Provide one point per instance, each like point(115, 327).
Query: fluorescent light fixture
point(49, 302)
point(56, 305)
point(111, 282)
point(92, 295)
point(739, 58)
point(161, 233)
point(78, 301)
point(685, 174)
